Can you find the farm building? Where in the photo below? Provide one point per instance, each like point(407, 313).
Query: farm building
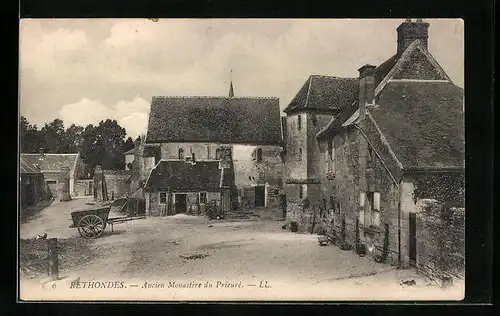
point(187, 187)
point(32, 184)
point(51, 166)
point(245, 130)
point(361, 152)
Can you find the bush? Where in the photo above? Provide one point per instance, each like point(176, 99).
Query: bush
point(213, 210)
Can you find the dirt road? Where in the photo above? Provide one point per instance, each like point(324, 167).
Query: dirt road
point(192, 249)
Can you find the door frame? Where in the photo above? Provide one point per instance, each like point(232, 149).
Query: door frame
point(175, 196)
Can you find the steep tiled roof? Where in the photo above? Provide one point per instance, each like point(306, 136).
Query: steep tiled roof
point(180, 175)
point(215, 119)
point(383, 69)
point(339, 120)
point(324, 93)
point(28, 168)
point(423, 123)
point(131, 151)
point(51, 162)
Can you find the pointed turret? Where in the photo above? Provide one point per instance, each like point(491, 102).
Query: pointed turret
point(231, 90)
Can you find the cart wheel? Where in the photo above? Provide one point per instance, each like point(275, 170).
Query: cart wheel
point(91, 226)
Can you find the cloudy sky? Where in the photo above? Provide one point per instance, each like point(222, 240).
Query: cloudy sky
point(85, 70)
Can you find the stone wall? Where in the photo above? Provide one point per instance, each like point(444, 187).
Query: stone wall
point(116, 183)
point(84, 187)
point(440, 239)
point(194, 207)
point(358, 170)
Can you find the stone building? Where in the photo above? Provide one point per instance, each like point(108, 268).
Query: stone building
point(395, 127)
point(32, 187)
point(176, 186)
point(245, 130)
point(51, 166)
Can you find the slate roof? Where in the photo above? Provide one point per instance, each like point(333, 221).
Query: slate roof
point(243, 120)
point(131, 151)
point(325, 93)
point(423, 123)
point(382, 70)
point(182, 176)
point(51, 162)
point(26, 167)
point(338, 121)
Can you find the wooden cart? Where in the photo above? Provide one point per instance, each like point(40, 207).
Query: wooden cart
point(91, 223)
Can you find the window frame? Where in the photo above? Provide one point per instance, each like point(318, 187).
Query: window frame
point(180, 153)
point(160, 198)
point(206, 197)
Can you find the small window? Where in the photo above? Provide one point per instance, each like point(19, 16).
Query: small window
point(203, 197)
point(301, 192)
point(314, 120)
point(193, 156)
point(163, 197)
point(369, 157)
point(300, 154)
point(218, 153)
point(299, 122)
point(330, 149)
point(181, 153)
point(259, 155)
point(336, 207)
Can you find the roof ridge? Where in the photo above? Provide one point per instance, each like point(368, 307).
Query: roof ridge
point(49, 154)
point(333, 77)
point(212, 97)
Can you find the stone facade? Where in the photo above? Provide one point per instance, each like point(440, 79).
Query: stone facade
point(302, 166)
point(418, 67)
point(253, 165)
point(116, 183)
point(84, 187)
point(194, 205)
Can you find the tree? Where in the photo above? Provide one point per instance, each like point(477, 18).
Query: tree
point(137, 141)
point(73, 139)
point(52, 136)
point(29, 137)
point(104, 145)
point(129, 144)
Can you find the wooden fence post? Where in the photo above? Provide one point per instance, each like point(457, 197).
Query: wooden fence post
point(53, 259)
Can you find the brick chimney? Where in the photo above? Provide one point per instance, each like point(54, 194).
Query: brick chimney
point(366, 88)
point(409, 31)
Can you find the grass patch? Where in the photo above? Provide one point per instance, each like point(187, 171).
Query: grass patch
point(33, 254)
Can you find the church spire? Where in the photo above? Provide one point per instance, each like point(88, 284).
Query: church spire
point(231, 89)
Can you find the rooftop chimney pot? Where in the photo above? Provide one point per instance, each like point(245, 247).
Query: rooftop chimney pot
point(410, 31)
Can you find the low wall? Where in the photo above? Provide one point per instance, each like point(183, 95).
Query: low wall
point(84, 187)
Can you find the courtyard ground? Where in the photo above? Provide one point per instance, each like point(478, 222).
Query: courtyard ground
point(167, 258)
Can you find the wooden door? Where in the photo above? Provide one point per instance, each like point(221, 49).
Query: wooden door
point(260, 196)
point(180, 203)
point(413, 239)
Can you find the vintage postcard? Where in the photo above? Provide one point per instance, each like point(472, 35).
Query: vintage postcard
point(241, 160)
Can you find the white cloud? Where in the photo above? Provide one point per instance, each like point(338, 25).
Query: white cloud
point(131, 115)
point(116, 60)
